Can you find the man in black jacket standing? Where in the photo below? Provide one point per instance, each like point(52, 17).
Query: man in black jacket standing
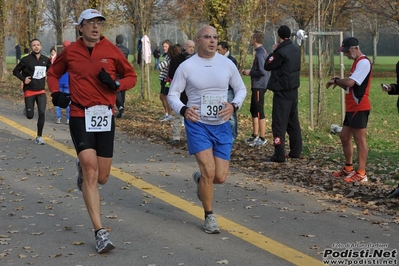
point(393, 89)
point(31, 70)
point(284, 62)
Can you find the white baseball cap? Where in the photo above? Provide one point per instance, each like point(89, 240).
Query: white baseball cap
point(89, 14)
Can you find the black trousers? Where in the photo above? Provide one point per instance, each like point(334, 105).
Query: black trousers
point(285, 120)
point(41, 101)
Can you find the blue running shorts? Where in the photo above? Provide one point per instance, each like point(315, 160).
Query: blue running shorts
point(202, 136)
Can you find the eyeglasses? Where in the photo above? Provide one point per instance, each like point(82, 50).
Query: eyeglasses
point(91, 23)
point(208, 36)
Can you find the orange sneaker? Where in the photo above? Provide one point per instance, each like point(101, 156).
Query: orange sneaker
point(343, 173)
point(356, 177)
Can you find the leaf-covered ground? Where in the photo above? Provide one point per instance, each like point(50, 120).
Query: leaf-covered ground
point(310, 174)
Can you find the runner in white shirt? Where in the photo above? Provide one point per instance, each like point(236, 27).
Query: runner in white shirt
point(206, 77)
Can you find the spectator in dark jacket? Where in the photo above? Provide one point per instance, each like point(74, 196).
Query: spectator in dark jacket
point(284, 64)
point(393, 89)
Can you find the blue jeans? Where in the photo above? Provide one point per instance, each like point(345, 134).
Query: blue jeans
point(156, 63)
point(233, 118)
point(65, 89)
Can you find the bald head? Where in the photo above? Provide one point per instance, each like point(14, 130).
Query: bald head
point(204, 30)
point(189, 46)
point(207, 40)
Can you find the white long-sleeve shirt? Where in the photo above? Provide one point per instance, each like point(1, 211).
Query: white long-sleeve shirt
point(206, 80)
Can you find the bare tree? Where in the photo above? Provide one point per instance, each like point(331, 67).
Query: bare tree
point(58, 13)
point(3, 13)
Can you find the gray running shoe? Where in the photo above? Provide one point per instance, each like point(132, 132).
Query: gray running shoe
point(167, 118)
point(251, 139)
point(103, 244)
point(39, 140)
point(196, 178)
point(335, 129)
point(258, 142)
point(211, 225)
point(79, 180)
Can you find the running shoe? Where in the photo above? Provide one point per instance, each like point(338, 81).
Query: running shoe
point(67, 122)
point(39, 140)
point(103, 244)
point(335, 129)
point(251, 139)
point(356, 177)
point(394, 193)
point(79, 179)
point(167, 118)
point(211, 225)
point(258, 142)
point(58, 121)
point(196, 178)
point(343, 173)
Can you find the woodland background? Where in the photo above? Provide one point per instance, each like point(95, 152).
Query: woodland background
point(178, 20)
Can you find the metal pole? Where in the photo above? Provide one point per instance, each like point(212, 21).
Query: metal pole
point(341, 59)
point(311, 79)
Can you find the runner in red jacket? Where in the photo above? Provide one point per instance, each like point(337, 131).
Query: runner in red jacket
point(92, 63)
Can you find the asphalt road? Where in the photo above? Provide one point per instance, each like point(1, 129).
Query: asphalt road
point(150, 208)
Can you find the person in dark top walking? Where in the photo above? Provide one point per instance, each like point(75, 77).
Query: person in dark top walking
point(31, 70)
point(18, 53)
point(223, 49)
point(284, 62)
point(157, 54)
point(121, 95)
point(175, 61)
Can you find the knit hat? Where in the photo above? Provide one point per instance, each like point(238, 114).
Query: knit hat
point(284, 32)
point(119, 39)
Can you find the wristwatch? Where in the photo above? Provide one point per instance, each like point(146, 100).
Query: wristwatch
point(117, 84)
point(235, 106)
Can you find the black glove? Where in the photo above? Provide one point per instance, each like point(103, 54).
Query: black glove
point(106, 79)
point(60, 99)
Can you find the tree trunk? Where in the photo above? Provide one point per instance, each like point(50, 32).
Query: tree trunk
point(3, 64)
point(375, 42)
